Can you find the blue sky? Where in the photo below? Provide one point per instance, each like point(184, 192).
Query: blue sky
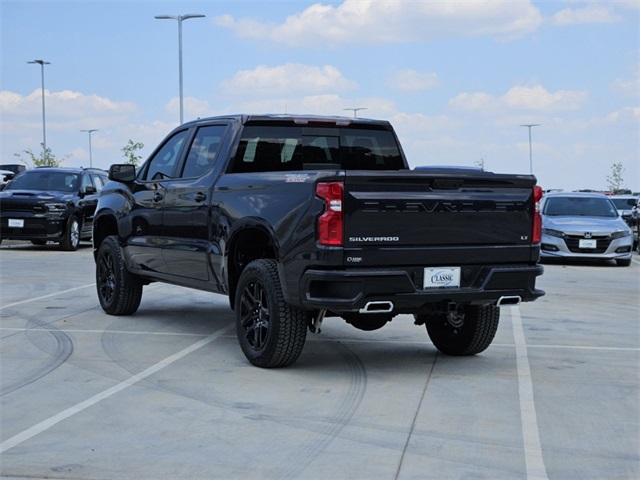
point(455, 78)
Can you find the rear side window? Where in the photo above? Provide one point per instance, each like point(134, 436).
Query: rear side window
point(203, 151)
point(271, 148)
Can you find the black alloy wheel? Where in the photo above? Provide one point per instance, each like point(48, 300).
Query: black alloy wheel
point(271, 332)
point(119, 291)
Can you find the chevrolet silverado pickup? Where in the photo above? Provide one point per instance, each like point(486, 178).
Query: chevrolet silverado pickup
point(302, 218)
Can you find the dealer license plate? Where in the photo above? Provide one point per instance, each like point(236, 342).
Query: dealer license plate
point(588, 243)
point(441, 277)
point(16, 223)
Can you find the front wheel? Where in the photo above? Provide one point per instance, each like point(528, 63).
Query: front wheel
point(468, 331)
point(271, 332)
point(625, 262)
point(119, 291)
point(71, 238)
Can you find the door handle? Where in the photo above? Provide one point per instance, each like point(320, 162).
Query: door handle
point(157, 197)
point(199, 197)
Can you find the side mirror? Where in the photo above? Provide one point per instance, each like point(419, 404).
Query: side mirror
point(90, 190)
point(123, 172)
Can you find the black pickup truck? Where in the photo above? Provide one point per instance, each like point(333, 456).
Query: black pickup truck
point(298, 218)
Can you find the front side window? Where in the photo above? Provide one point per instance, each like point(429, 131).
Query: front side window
point(162, 164)
point(86, 182)
point(98, 181)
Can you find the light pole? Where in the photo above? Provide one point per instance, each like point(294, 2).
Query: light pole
point(90, 155)
point(42, 63)
point(355, 110)
point(529, 125)
point(180, 18)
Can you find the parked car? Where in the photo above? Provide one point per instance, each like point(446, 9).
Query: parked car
point(51, 204)
point(584, 225)
point(13, 167)
point(627, 205)
point(5, 176)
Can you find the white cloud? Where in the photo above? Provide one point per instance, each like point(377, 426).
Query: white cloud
point(535, 98)
point(627, 115)
point(588, 14)
point(538, 98)
point(628, 87)
point(474, 101)
point(63, 104)
point(193, 108)
point(392, 21)
point(324, 104)
point(289, 79)
point(413, 81)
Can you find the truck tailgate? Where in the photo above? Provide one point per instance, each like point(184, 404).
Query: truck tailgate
point(425, 217)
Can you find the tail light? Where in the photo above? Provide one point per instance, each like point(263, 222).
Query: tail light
point(331, 222)
point(536, 234)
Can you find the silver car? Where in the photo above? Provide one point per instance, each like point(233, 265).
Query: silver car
point(584, 225)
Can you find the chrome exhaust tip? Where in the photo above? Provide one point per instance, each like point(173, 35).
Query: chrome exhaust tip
point(509, 300)
point(377, 307)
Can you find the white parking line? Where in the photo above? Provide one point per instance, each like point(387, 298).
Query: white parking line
point(22, 302)
point(532, 447)
point(51, 421)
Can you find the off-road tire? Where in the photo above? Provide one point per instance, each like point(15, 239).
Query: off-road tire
point(119, 291)
point(71, 238)
point(474, 335)
point(271, 332)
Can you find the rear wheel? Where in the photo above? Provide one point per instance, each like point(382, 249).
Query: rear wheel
point(468, 331)
point(271, 332)
point(119, 291)
point(71, 238)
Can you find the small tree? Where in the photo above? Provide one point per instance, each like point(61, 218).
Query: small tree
point(615, 180)
point(130, 150)
point(45, 159)
point(480, 163)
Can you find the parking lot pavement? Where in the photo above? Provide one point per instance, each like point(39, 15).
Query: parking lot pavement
point(167, 393)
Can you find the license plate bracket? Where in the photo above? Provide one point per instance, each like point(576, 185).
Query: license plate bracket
point(441, 277)
point(588, 243)
point(16, 223)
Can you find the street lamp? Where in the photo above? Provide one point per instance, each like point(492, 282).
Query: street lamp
point(529, 125)
point(90, 155)
point(355, 110)
point(42, 63)
point(180, 18)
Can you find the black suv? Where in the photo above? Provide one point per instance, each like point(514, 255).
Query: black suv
point(51, 204)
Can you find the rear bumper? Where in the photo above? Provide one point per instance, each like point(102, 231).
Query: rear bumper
point(351, 290)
